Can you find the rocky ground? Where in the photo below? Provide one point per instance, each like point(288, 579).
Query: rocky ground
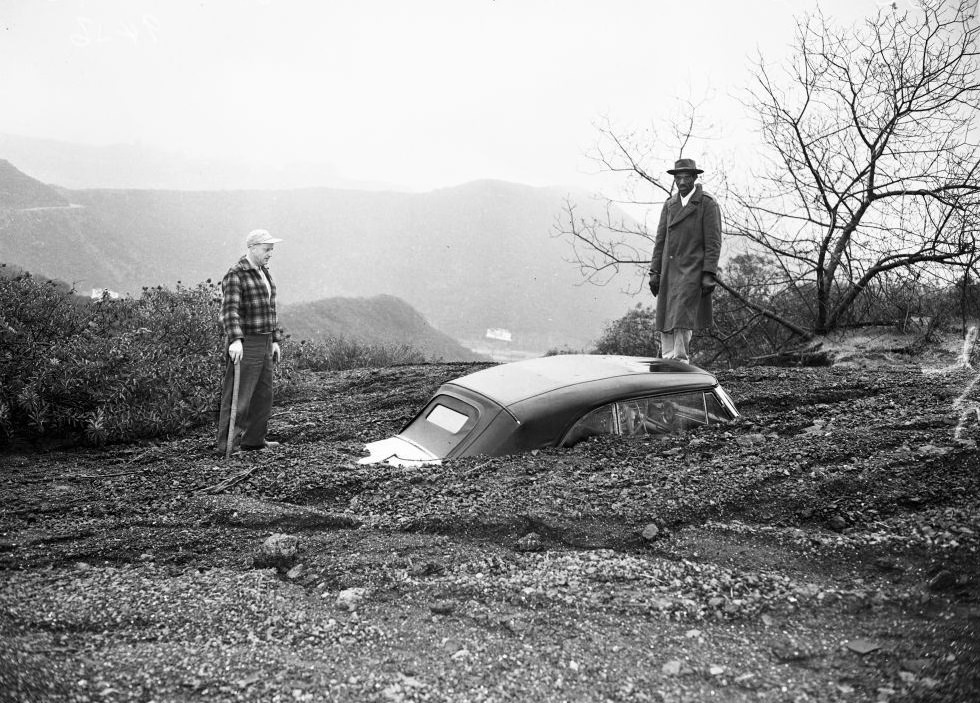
point(823, 548)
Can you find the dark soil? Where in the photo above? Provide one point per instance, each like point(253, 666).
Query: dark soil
point(822, 548)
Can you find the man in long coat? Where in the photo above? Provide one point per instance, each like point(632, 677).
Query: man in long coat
point(685, 261)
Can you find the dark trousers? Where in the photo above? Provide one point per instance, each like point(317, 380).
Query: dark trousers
point(254, 394)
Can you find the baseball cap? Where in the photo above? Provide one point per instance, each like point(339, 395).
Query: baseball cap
point(260, 236)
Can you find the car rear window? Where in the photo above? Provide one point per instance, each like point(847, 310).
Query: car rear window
point(446, 418)
point(442, 425)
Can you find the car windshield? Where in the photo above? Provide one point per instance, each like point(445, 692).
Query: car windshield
point(442, 425)
point(654, 415)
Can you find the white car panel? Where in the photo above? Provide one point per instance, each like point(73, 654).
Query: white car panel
point(398, 451)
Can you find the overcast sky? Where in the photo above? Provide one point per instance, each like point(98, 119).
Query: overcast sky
point(418, 93)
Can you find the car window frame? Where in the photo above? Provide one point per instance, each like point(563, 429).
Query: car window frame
point(724, 400)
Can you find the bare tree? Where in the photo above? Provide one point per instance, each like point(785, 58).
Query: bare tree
point(873, 162)
point(870, 167)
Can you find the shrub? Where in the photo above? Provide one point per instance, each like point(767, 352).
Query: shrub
point(633, 334)
point(107, 370)
point(118, 370)
point(740, 333)
point(341, 353)
point(560, 351)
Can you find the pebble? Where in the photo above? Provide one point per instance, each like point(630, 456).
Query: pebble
point(914, 665)
point(788, 649)
point(942, 581)
point(280, 546)
point(650, 532)
point(443, 607)
point(862, 646)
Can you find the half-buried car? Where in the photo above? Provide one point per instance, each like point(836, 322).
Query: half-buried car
point(555, 401)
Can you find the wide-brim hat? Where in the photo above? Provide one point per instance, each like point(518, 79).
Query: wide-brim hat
point(260, 236)
point(684, 166)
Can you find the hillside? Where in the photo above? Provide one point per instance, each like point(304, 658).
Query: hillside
point(20, 191)
point(382, 320)
point(822, 549)
point(469, 258)
point(41, 232)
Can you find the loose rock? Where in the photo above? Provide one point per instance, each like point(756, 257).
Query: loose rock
point(787, 649)
point(943, 581)
point(351, 598)
point(278, 551)
point(531, 542)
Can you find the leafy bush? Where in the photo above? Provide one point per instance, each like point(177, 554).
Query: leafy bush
point(340, 353)
point(107, 370)
point(117, 370)
point(633, 334)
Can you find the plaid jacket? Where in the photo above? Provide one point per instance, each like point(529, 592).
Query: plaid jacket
point(246, 307)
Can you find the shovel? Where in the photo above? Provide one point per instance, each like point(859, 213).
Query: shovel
point(234, 411)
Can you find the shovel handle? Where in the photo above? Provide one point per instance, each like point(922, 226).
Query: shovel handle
point(234, 410)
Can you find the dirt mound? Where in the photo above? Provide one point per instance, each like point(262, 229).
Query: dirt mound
point(871, 347)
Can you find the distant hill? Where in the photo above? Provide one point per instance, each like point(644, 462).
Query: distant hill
point(383, 319)
point(128, 166)
point(19, 191)
point(41, 232)
point(9, 271)
point(469, 258)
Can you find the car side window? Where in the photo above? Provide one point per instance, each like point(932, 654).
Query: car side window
point(661, 415)
point(597, 422)
point(716, 411)
point(650, 416)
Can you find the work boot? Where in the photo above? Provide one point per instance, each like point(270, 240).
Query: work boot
point(264, 447)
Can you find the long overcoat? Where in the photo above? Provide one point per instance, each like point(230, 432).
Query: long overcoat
point(688, 244)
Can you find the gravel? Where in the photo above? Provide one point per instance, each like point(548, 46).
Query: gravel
point(822, 548)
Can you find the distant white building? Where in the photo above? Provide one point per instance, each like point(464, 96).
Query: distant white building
point(499, 333)
point(97, 293)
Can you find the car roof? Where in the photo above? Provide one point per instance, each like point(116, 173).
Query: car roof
point(600, 378)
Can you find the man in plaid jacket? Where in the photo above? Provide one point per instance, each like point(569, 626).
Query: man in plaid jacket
point(252, 336)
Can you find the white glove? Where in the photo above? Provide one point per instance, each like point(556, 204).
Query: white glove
point(276, 352)
point(235, 351)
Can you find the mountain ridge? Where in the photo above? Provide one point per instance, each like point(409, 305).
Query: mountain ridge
point(470, 257)
point(19, 191)
point(135, 166)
